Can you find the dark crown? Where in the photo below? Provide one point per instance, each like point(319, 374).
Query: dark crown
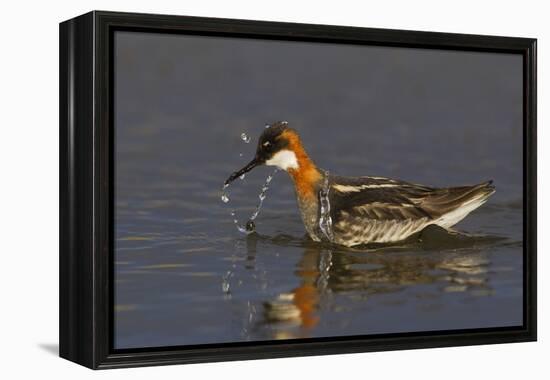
point(274, 130)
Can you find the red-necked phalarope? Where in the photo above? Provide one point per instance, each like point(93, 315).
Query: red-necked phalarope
point(360, 210)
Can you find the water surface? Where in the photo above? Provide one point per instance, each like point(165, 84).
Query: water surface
point(185, 275)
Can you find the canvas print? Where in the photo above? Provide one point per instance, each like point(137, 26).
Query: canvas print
point(278, 190)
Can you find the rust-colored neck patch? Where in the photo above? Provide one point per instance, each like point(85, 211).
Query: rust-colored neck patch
point(306, 176)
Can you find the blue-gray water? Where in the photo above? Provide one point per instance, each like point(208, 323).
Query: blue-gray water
point(185, 275)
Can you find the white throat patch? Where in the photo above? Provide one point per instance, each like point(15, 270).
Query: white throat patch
point(284, 159)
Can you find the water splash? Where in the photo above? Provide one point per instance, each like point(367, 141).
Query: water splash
point(324, 266)
point(224, 197)
point(243, 228)
point(226, 284)
point(262, 196)
point(249, 227)
point(325, 220)
point(245, 137)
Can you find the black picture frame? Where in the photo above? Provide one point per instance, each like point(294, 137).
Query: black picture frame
point(86, 188)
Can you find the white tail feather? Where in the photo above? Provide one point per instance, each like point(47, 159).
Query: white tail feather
point(451, 218)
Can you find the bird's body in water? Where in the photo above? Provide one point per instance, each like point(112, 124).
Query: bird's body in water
point(360, 210)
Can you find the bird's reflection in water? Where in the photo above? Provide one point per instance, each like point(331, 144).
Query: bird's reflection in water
point(455, 261)
point(298, 307)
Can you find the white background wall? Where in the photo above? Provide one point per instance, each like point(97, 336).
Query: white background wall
point(29, 187)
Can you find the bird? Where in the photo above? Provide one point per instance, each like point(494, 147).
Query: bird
point(353, 211)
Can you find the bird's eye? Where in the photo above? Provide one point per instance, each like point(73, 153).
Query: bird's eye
point(267, 144)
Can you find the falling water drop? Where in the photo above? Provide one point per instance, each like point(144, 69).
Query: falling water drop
point(250, 226)
point(242, 176)
point(245, 137)
point(225, 287)
point(226, 282)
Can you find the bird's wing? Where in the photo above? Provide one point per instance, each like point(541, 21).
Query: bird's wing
point(376, 209)
point(384, 198)
point(377, 198)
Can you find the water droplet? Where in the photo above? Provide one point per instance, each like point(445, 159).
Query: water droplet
point(225, 287)
point(240, 154)
point(250, 226)
point(242, 176)
point(245, 137)
point(267, 126)
point(241, 228)
point(226, 283)
point(225, 198)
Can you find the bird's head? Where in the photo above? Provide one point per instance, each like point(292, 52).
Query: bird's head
point(278, 146)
